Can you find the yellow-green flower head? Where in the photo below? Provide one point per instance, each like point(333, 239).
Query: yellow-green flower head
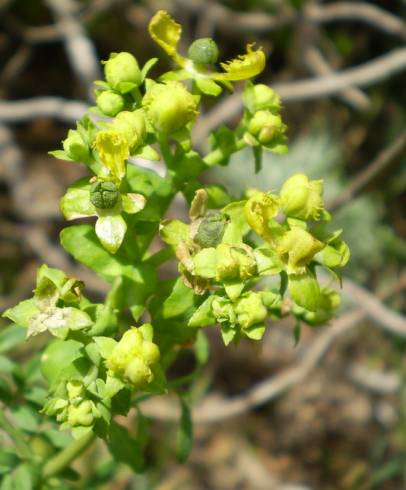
point(260, 97)
point(298, 247)
point(266, 127)
point(132, 125)
point(169, 106)
point(250, 310)
point(113, 149)
point(132, 358)
point(122, 72)
point(166, 33)
point(302, 198)
point(259, 209)
point(203, 51)
point(109, 102)
point(81, 415)
point(234, 262)
point(75, 147)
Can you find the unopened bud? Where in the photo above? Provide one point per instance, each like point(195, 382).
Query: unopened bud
point(266, 127)
point(260, 97)
point(110, 103)
point(302, 198)
point(122, 72)
point(250, 310)
point(75, 147)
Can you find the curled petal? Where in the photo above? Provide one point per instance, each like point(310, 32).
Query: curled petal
point(166, 33)
point(244, 66)
point(113, 149)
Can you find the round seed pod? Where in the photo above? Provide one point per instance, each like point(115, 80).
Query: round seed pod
point(104, 195)
point(203, 51)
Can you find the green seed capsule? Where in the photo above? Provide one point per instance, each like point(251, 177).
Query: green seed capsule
point(104, 195)
point(203, 51)
point(211, 229)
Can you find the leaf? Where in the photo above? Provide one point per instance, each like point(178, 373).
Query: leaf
point(147, 67)
point(105, 345)
point(60, 155)
point(147, 153)
point(133, 203)
point(11, 336)
point(82, 243)
point(180, 300)
point(184, 440)
point(208, 86)
point(20, 315)
point(173, 232)
point(25, 418)
point(203, 316)
point(205, 263)
point(227, 334)
point(8, 460)
point(256, 332)
point(111, 230)
point(76, 202)
point(233, 288)
point(124, 448)
point(57, 356)
point(113, 386)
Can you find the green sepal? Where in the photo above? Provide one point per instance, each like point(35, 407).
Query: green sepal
point(208, 86)
point(203, 316)
point(110, 230)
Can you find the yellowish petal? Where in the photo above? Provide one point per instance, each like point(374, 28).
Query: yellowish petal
point(245, 66)
point(113, 149)
point(166, 33)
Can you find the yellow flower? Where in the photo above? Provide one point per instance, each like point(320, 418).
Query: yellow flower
point(113, 150)
point(166, 33)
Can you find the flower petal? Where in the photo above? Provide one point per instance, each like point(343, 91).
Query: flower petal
point(113, 149)
point(166, 33)
point(110, 231)
point(244, 66)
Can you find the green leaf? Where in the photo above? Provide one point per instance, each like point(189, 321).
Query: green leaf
point(147, 153)
point(76, 202)
point(11, 336)
point(113, 386)
point(82, 243)
point(208, 86)
point(227, 334)
point(106, 322)
point(256, 332)
point(173, 232)
point(60, 155)
point(25, 418)
point(180, 300)
point(110, 230)
point(124, 448)
point(21, 314)
point(233, 288)
point(147, 67)
point(203, 316)
point(133, 203)
point(59, 355)
point(105, 345)
point(8, 460)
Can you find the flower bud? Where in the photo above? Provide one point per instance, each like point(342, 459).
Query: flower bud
point(234, 262)
point(104, 195)
point(75, 147)
point(211, 229)
point(302, 198)
point(132, 358)
point(250, 310)
point(329, 301)
point(122, 72)
point(203, 51)
point(109, 102)
point(266, 127)
point(81, 414)
point(260, 97)
point(132, 125)
point(305, 290)
point(223, 310)
point(297, 247)
point(137, 372)
point(75, 389)
point(169, 106)
point(259, 209)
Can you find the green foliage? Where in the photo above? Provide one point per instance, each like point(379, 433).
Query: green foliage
point(98, 359)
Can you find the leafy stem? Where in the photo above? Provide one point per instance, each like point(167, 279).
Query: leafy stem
point(22, 447)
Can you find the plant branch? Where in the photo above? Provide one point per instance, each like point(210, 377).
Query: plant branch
point(65, 457)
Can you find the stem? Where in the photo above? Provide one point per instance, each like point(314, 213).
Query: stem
point(23, 449)
point(63, 459)
point(216, 156)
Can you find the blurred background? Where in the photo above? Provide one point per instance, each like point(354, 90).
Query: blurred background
point(329, 413)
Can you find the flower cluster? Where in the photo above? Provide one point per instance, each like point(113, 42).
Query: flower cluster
point(224, 253)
